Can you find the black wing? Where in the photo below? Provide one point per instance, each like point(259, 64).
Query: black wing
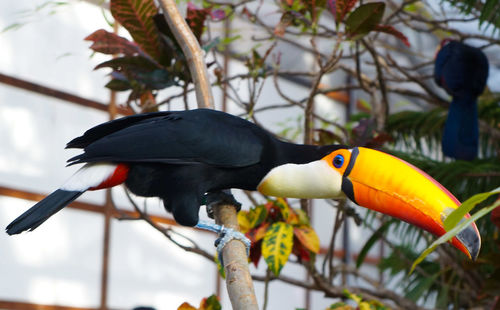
point(104, 129)
point(196, 136)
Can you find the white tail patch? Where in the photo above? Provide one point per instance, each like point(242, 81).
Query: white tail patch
point(90, 175)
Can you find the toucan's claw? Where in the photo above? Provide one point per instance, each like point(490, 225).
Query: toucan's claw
point(225, 235)
point(214, 199)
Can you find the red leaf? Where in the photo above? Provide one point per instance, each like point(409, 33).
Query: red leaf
point(285, 21)
point(109, 43)
point(392, 31)
point(256, 253)
point(340, 8)
point(300, 251)
point(196, 19)
point(256, 234)
point(137, 17)
point(307, 237)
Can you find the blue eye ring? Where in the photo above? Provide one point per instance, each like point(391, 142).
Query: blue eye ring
point(338, 161)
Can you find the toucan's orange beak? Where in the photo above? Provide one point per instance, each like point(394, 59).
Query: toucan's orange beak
point(389, 185)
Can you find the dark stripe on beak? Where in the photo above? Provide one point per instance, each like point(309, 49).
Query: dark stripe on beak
point(347, 187)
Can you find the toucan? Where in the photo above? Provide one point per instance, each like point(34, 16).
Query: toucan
point(462, 71)
point(181, 156)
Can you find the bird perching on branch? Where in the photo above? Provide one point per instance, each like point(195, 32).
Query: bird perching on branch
point(181, 156)
point(462, 71)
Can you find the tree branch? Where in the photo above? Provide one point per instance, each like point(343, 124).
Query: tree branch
point(192, 51)
point(238, 280)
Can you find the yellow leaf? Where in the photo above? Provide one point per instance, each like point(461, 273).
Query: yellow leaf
point(257, 215)
point(186, 306)
point(308, 237)
point(364, 306)
point(340, 306)
point(222, 272)
point(303, 218)
point(277, 246)
point(243, 221)
point(293, 218)
point(282, 204)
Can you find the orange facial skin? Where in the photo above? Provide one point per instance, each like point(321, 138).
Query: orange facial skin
point(389, 185)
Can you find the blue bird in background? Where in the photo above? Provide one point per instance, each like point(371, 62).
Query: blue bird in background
point(462, 71)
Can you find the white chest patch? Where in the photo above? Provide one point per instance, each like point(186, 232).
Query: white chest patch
point(312, 180)
point(90, 175)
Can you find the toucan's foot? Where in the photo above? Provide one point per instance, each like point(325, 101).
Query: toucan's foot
point(220, 198)
point(225, 235)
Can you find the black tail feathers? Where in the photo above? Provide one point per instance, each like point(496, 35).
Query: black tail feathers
point(40, 212)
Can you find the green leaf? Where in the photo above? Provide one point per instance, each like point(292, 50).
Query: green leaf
point(257, 215)
point(13, 26)
point(458, 214)
point(282, 204)
point(340, 306)
point(277, 246)
point(303, 217)
point(156, 79)
point(142, 70)
point(421, 287)
point(210, 303)
point(137, 17)
point(364, 19)
point(220, 268)
point(210, 45)
point(128, 63)
point(118, 85)
point(371, 242)
point(454, 231)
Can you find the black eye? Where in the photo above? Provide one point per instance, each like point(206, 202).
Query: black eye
point(338, 161)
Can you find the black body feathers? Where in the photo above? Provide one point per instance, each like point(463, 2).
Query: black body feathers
point(179, 157)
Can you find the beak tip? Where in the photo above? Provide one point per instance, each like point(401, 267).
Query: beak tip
point(471, 240)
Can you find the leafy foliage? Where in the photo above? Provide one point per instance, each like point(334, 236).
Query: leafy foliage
point(277, 246)
point(489, 11)
point(209, 303)
point(419, 131)
point(364, 19)
point(154, 60)
point(340, 9)
point(358, 23)
point(110, 43)
point(361, 304)
point(137, 17)
point(277, 230)
point(392, 31)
